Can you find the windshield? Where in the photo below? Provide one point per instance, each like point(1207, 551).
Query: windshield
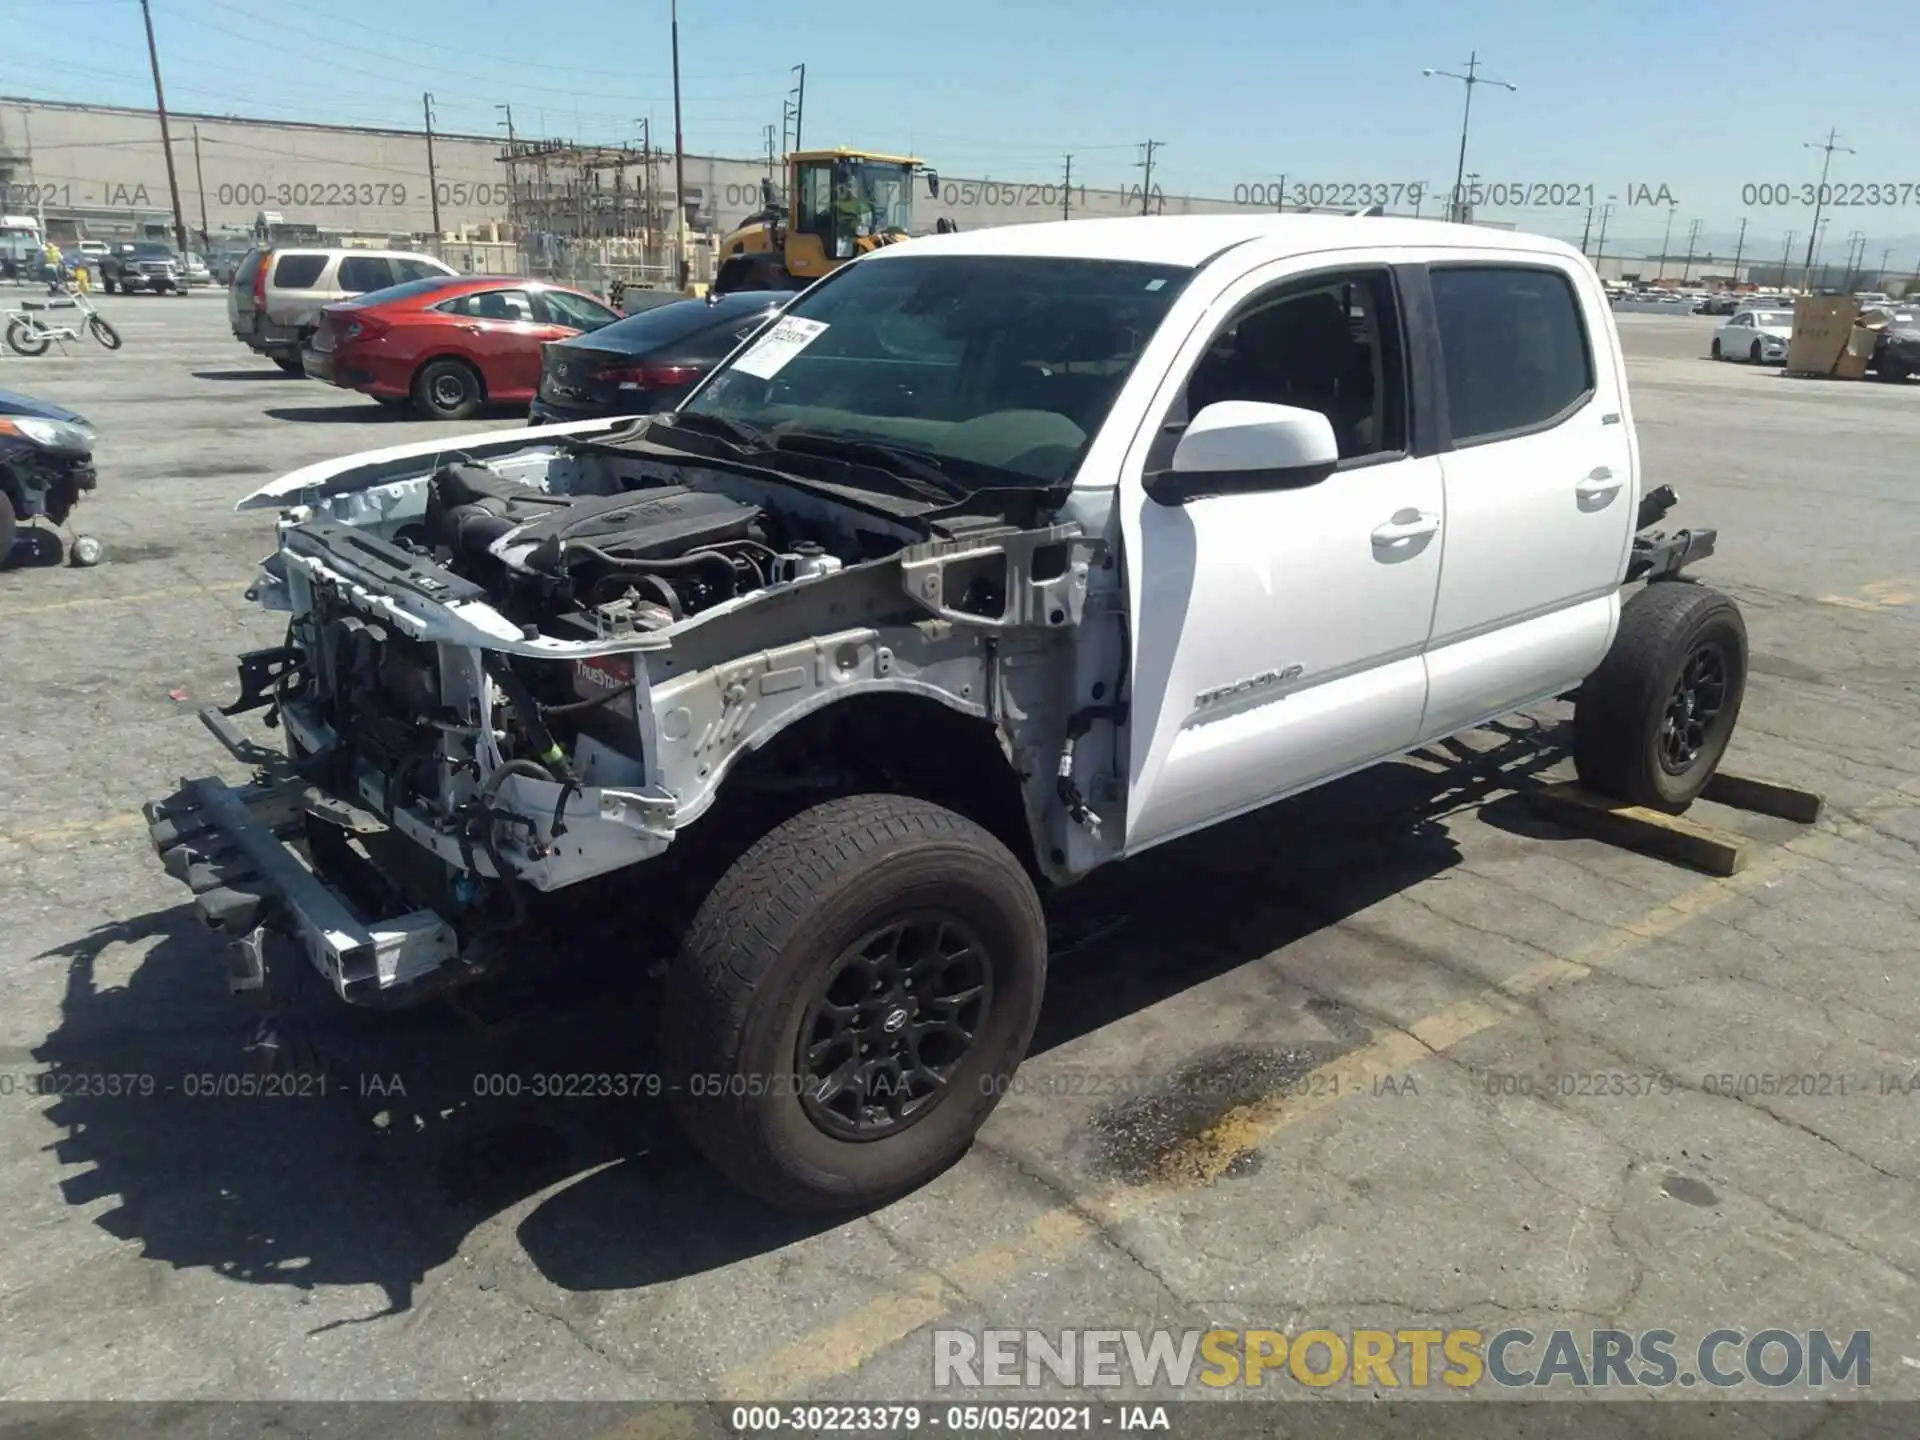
point(148, 251)
point(1007, 364)
point(1772, 317)
point(885, 193)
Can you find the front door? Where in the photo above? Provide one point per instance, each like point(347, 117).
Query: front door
point(1541, 487)
point(1278, 632)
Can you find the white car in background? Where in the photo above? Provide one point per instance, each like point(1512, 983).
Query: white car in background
point(1757, 336)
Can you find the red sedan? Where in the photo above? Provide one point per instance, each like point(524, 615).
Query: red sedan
point(448, 344)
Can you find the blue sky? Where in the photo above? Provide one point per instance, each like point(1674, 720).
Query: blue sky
point(1625, 94)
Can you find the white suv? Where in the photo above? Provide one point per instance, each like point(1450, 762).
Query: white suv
point(995, 558)
point(276, 295)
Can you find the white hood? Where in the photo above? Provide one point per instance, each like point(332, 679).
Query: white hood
point(398, 461)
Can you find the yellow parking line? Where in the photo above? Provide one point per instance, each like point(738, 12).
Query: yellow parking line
point(9, 612)
point(842, 1346)
point(1880, 595)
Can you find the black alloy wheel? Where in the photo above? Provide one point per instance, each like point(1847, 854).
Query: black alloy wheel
point(894, 1018)
point(1694, 708)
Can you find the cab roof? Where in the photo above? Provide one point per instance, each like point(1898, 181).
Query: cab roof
point(842, 153)
point(1194, 239)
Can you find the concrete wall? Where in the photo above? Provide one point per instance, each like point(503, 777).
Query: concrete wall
point(106, 166)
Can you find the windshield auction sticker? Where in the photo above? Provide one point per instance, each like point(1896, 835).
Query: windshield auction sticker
point(779, 345)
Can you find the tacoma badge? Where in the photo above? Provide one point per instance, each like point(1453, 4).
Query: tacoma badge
point(1244, 687)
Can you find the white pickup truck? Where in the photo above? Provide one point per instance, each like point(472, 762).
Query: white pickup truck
point(997, 557)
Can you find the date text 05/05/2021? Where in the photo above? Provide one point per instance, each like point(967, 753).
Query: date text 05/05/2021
point(1478, 193)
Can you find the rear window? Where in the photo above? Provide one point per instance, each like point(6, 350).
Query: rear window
point(411, 269)
point(670, 324)
point(1514, 347)
point(361, 273)
point(249, 267)
point(298, 272)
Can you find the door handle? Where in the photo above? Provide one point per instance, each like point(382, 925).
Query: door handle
point(1394, 531)
point(1600, 481)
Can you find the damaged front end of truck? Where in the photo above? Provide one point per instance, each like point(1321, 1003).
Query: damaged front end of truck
point(517, 668)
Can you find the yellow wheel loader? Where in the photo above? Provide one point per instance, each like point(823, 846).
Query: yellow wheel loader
point(840, 204)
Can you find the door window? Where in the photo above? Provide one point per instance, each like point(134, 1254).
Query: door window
point(417, 269)
point(502, 305)
point(575, 310)
point(1332, 345)
point(297, 272)
point(1514, 347)
point(360, 274)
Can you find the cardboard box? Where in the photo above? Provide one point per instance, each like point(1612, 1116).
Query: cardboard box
point(1832, 336)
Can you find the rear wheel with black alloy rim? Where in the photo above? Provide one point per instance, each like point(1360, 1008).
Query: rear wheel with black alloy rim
point(1753, 353)
point(1891, 370)
point(289, 363)
point(1716, 351)
point(448, 390)
point(1651, 723)
point(9, 527)
point(852, 1000)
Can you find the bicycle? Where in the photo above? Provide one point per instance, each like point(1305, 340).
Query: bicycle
point(29, 334)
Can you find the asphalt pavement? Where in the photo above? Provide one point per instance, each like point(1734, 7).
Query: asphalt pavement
point(1343, 1064)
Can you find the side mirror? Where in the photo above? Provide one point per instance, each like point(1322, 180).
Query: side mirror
point(933, 184)
point(1238, 445)
point(766, 192)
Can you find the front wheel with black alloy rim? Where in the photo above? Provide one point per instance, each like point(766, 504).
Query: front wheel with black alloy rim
point(1753, 353)
point(292, 364)
point(103, 332)
point(1892, 371)
point(448, 390)
point(851, 1001)
point(1652, 722)
point(1717, 352)
point(9, 528)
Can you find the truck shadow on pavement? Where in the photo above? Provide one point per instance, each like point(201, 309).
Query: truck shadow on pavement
point(269, 372)
point(393, 1137)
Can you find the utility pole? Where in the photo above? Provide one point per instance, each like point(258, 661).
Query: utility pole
point(1857, 240)
point(166, 141)
point(513, 174)
point(799, 102)
point(1665, 240)
point(200, 182)
point(1066, 192)
point(1146, 183)
point(679, 157)
point(1586, 231)
point(1693, 238)
point(1819, 243)
point(1820, 197)
point(769, 153)
point(1472, 78)
point(1786, 254)
point(1880, 280)
point(433, 175)
point(1600, 248)
point(1738, 246)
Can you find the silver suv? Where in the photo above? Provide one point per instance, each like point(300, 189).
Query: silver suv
point(276, 295)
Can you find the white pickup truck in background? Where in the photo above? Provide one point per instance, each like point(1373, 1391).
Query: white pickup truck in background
point(996, 558)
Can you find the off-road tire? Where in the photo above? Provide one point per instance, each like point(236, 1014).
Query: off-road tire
point(9, 527)
point(760, 949)
point(1620, 709)
point(292, 364)
point(433, 390)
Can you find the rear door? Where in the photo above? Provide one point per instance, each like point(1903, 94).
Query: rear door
point(501, 332)
point(1541, 477)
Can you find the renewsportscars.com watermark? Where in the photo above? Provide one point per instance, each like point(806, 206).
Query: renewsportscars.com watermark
point(1457, 1359)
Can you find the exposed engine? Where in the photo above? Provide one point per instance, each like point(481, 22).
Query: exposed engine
point(605, 565)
